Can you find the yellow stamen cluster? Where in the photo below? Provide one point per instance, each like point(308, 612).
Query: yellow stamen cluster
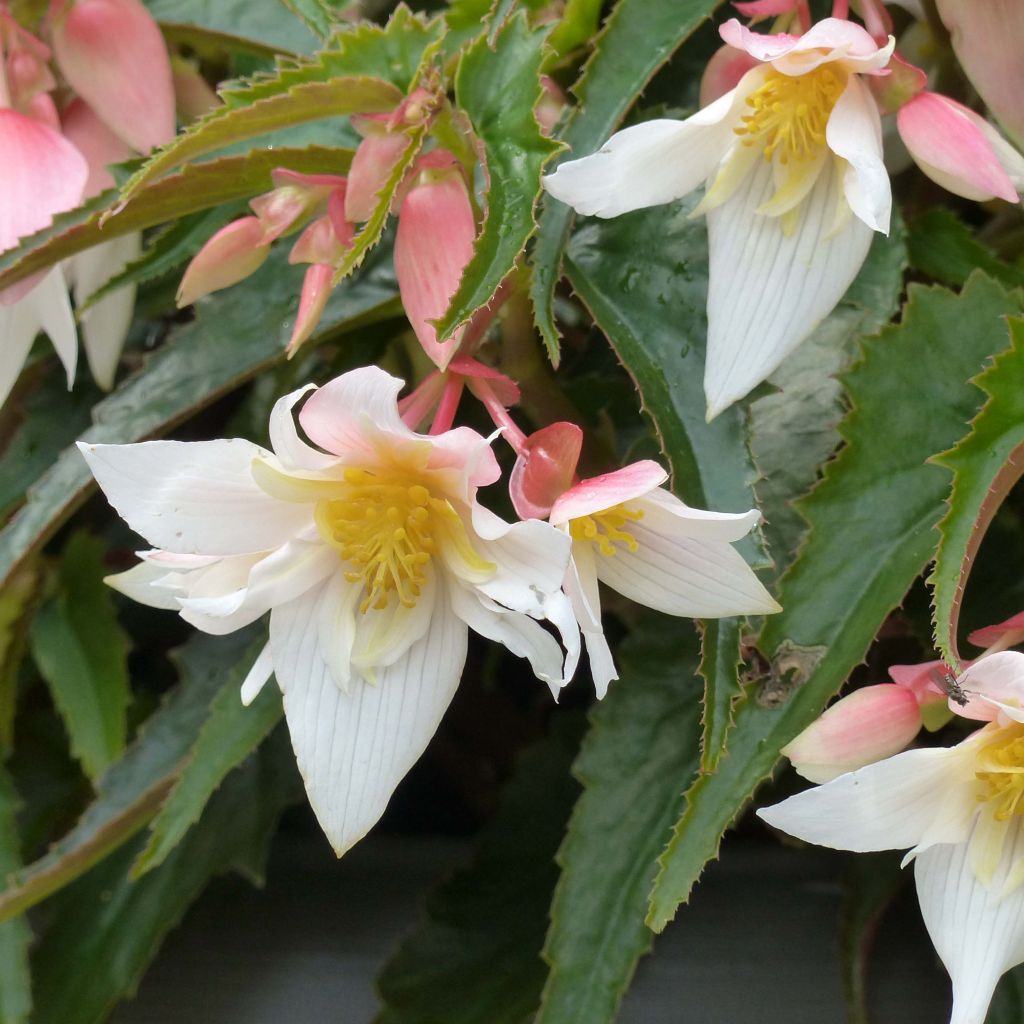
point(791, 112)
point(389, 529)
point(608, 528)
point(1000, 771)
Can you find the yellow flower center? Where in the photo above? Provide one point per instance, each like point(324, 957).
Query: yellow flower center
point(389, 529)
point(608, 528)
point(790, 112)
point(1000, 771)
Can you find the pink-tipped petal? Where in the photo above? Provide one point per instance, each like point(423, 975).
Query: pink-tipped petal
point(316, 290)
point(230, 256)
point(723, 73)
point(41, 174)
point(924, 681)
point(505, 389)
point(998, 634)
point(600, 492)
point(433, 245)
point(946, 142)
point(375, 158)
point(867, 725)
point(993, 685)
point(96, 142)
point(114, 56)
point(547, 469)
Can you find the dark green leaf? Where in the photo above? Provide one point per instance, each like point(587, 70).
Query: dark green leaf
point(228, 736)
point(15, 936)
point(872, 522)
point(638, 37)
point(1007, 1006)
point(576, 26)
point(318, 15)
point(17, 600)
point(476, 956)
point(985, 464)
point(82, 653)
point(498, 85)
point(639, 756)
point(720, 669)
point(945, 248)
point(268, 23)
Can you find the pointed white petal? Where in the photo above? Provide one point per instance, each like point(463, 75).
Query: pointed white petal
point(354, 748)
point(194, 497)
point(581, 588)
point(768, 290)
point(19, 325)
point(889, 805)
point(53, 309)
point(854, 132)
point(664, 513)
point(977, 932)
point(384, 635)
point(653, 162)
point(293, 452)
point(257, 676)
point(105, 325)
point(139, 583)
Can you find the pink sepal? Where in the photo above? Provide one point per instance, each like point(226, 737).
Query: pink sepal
point(546, 470)
point(947, 143)
point(229, 256)
point(374, 161)
point(41, 174)
point(294, 197)
point(924, 681)
point(723, 73)
point(316, 290)
point(327, 238)
point(113, 55)
point(1007, 633)
point(42, 108)
point(96, 142)
point(505, 388)
point(433, 245)
point(600, 492)
point(764, 8)
point(868, 725)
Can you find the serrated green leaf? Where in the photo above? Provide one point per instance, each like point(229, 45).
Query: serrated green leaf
point(131, 791)
point(640, 754)
point(943, 247)
point(318, 15)
point(229, 735)
point(269, 24)
point(208, 43)
point(872, 522)
point(578, 23)
point(497, 85)
point(985, 464)
point(17, 601)
point(107, 927)
point(795, 430)
point(15, 935)
point(638, 37)
point(364, 69)
point(476, 955)
point(81, 651)
point(465, 20)
point(195, 188)
point(236, 333)
point(720, 669)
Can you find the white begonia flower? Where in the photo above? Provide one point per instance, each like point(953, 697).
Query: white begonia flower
point(960, 810)
point(642, 541)
point(373, 557)
point(792, 160)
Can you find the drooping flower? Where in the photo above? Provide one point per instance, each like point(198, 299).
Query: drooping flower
point(792, 159)
point(960, 811)
point(373, 557)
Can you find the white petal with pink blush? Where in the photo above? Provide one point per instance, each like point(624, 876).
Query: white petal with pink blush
point(367, 545)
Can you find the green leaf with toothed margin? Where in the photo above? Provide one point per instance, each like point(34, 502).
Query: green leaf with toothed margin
point(638, 37)
point(720, 664)
point(364, 69)
point(639, 755)
point(871, 532)
point(497, 85)
point(193, 189)
point(318, 15)
point(985, 465)
point(15, 936)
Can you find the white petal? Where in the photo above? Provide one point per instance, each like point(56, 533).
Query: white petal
point(384, 635)
point(854, 132)
point(581, 588)
point(138, 584)
point(194, 497)
point(977, 932)
point(105, 325)
point(293, 452)
point(52, 306)
point(19, 326)
point(678, 575)
point(651, 163)
point(767, 290)
point(257, 676)
point(354, 748)
point(664, 513)
point(889, 805)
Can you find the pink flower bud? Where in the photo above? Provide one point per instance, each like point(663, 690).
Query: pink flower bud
point(24, 61)
point(375, 159)
point(955, 147)
point(230, 256)
point(294, 198)
point(1000, 636)
point(866, 726)
point(96, 142)
point(764, 8)
point(433, 244)
point(321, 242)
point(316, 290)
point(547, 469)
point(113, 55)
point(723, 72)
point(926, 682)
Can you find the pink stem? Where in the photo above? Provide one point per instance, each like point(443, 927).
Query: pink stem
point(515, 437)
point(414, 407)
point(841, 9)
point(449, 405)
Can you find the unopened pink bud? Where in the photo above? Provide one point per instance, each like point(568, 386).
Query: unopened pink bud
point(96, 142)
point(374, 161)
point(294, 198)
point(433, 245)
point(758, 9)
point(320, 242)
point(1000, 636)
point(113, 55)
point(868, 725)
point(954, 147)
point(546, 470)
point(230, 256)
point(723, 72)
point(316, 290)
